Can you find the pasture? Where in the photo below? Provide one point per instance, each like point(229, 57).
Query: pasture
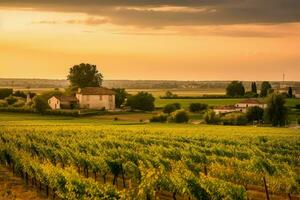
point(159, 103)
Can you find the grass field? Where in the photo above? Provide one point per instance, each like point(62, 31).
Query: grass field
point(233, 156)
point(179, 92)
point(159, 103)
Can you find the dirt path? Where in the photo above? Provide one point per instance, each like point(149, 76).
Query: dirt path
point(13, 188)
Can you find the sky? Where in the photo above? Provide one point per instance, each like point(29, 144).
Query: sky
point(151, 40)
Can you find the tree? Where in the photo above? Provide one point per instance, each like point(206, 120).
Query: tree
point(47, 95)
point(253, 88)
point(169, 108)
point(197, 107)
point(276, 112)
point(290, 92)
point(210, 117)
point(170, 95)
point(20, 94)
point(85, 75)
point(120, 96)
point(255, 114)
point(265, 87)
point(11, 100)
point(5, 92)
point(40, 104)
point(141, 101)
point(235, 88)
point(180, 116)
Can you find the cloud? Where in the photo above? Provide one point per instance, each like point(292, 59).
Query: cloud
point(162, 13)
point(89, 21)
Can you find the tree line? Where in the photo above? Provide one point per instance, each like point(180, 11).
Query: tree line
point(237, 89)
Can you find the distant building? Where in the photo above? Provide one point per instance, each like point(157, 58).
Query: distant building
point(89, 97)
point(241, 106)
point(62, 102)
point(224, 109)
point(245, 104)
point(96, 98)
point(285, 89)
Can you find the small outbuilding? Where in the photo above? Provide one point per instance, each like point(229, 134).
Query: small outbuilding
point(62, 102)
point(224, 109)
point(245, 104)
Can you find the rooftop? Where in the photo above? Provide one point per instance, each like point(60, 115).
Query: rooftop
point(251, 101)
point(95, 91)
point(228, 107)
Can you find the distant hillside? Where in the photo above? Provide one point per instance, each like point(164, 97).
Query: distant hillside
point(132, 84)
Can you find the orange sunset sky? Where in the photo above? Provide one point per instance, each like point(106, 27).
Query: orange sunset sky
point(160, 39)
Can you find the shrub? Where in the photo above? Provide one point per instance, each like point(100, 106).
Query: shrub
point(250, 95)
point(142, 101)
point(20, 94)
point(169, 108)
point(5, 92)
point(197, 107)
point(71, 113)
point(11, 100)
point(235, 119)
point(299, 121)
point(210, 117)
point(255, 113)
point(297, 106)
point(40, 104)
point(3, 103)
point(180, 116)
point(19, 104)
point(159, 118)
point(17, 110)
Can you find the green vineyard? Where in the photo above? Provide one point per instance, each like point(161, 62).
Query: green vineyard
point(153, 161)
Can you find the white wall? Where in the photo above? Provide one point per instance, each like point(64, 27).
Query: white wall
point(96, 101)
point(54, 103)
point(247, 105)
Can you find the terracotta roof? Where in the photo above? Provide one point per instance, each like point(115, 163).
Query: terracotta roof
point(229, 107)
point(66, 98)
point(95, 91)
point(251, 101)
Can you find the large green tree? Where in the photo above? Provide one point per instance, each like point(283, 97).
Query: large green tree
point(235, 88)
point(141, 101)
point(40, 104)
point(276, 112)
point(265, 87)
point(85, 75)
point(121, 95)
point(255, 114)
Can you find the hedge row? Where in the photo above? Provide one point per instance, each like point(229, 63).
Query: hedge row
point(71, 113)
point(200, 97)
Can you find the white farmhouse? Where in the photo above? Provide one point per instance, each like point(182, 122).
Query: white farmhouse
point(62, 102)
point(96, 98)
point(224, 109)
point(245, 104)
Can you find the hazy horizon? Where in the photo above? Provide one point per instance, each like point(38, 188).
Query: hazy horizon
point(159, 40)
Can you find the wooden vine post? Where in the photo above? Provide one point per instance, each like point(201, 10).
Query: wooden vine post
point(266, 188)
point(205, 170)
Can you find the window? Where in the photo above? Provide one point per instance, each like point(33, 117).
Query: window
point(100, 97)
